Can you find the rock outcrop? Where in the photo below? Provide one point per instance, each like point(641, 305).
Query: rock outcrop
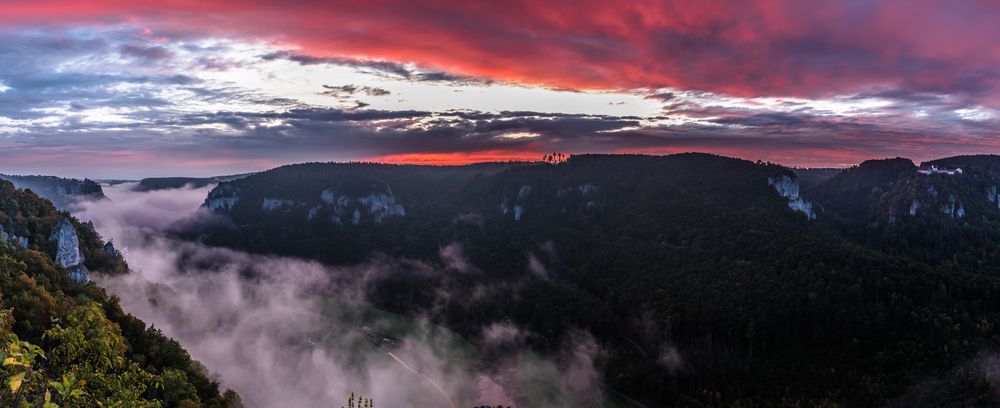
point(914, 207)
point(68, 253)
point(789, 188)
point(13, 238)
point(378, 206)
point(953, 209)
point(222, 198)
point(382, 205)
point(271, 204)
point(522, 196)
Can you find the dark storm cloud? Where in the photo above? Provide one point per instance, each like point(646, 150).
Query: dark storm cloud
point(762, 119)
point(661, 96)
point(350, 133)
point(383, 68)
point(344, 91)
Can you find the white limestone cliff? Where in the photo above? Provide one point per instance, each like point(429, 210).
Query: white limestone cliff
point(222, 198)
point(378, 206)
point(68, 253)
point(789, 188)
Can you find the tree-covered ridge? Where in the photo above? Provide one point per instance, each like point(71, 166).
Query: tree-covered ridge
point(852, 192)
point(25, 214)
point(163, 183)
point(60, 191)
point(71, 345)
point(989, 162)
point(698, 280)
point(947, 220)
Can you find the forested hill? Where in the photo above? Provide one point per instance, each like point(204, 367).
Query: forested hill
point(67, 340)
point(163, 183)
point(946, 214)
point(60, 191)
point(708, 281)
point(852, 191)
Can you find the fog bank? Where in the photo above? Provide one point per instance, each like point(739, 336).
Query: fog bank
point(289, 332)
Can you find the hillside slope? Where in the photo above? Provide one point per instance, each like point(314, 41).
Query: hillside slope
point(948, 219)
point(56, 327)
point(62, 192)
point(706, 280)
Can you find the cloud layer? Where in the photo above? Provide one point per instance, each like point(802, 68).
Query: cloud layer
point(746, 48)
point(126, 89)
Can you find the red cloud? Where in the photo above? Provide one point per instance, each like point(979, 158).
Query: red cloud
point(747, 48)
point(459, 157)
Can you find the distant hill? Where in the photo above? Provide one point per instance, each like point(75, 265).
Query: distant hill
point(989, 162)
point(852, 192)
point(164, 183)
point(706, 280)
point(113, 182)
point(810, 178)
point(62, 192)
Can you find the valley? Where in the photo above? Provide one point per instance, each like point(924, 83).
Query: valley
point(499, 204)
point(732, 267)
point(321, 340)
point(592, 281)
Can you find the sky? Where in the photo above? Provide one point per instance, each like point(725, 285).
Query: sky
point(128, 89)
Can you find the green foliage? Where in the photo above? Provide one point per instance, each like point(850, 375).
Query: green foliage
point(68, 389)
point(92, 348)
point(176, 389)
point(70, 345)
point(60, 191)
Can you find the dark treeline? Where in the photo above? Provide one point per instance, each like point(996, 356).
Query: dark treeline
point(701, 284)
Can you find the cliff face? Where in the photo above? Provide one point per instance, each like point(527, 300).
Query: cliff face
point(222, 198)
point(519, 203)
point(347, 210)
point(376, 206)
point(789, 188)
point(68, 253)
point(337, 207)
point(947, 197)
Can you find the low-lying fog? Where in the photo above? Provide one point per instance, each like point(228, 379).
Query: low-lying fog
point(286, 332)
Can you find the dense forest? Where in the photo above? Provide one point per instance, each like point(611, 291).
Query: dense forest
point(60, 191)
point(69, 344)
point(702, 283)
